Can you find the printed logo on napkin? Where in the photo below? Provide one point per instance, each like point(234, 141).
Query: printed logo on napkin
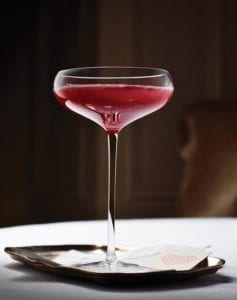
point(179, 258)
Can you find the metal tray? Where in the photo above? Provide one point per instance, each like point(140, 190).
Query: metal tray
point(41, 258)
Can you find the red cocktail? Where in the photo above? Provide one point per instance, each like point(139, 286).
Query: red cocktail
point(113, 106)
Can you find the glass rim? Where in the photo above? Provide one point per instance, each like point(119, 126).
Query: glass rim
point(163, 72)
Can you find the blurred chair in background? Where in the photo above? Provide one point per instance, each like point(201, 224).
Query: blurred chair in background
point(209, 186)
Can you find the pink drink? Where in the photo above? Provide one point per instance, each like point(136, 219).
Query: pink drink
point(113, 106)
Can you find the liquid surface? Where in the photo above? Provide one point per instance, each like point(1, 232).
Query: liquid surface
point(113, 106)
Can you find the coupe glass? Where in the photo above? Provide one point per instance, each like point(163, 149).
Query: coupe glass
point(113, 97)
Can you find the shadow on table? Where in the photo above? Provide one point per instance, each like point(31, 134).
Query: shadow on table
point(30, 275)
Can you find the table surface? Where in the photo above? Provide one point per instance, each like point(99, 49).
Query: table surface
point(18, 281)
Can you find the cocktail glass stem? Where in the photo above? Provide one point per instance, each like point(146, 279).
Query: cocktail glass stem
point(112, 166)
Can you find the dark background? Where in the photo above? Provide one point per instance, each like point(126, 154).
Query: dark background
point(53, 164)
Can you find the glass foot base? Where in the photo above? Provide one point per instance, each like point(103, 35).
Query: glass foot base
point(115, 267)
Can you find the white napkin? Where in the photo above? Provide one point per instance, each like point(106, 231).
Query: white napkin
point(169, 257)
point(179, 258)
